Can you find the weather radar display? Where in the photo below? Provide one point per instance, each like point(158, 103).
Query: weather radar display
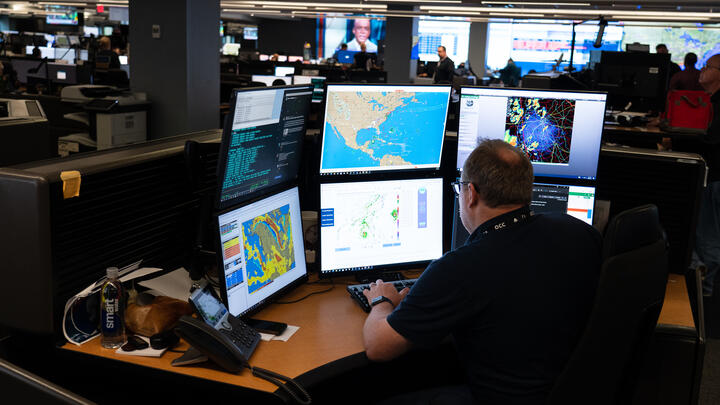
point(541, 127)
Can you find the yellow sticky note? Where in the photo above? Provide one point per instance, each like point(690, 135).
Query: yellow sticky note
point(71, 183)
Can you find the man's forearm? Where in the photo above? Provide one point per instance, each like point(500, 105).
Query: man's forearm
point(380, 340)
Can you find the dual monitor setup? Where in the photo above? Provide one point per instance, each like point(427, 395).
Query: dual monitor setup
point(381, 189)
point(285, 76)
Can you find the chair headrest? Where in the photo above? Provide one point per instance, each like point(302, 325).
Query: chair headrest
point(632, 229)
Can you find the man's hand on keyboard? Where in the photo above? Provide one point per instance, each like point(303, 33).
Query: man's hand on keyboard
point(379, 288)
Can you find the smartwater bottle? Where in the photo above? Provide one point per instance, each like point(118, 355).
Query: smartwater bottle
point(112, 311)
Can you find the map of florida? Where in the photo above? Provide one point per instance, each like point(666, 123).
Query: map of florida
point(269, 251)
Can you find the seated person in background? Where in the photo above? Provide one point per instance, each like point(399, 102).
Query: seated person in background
point(343, 47)
point(274, 57)
point(7, 84)
point(462, 70)
point(515, 316)
point(510, 74)
point(674, 67)
point(362, 60)
point(36, 52)
point(105, 57)
point(688, 79)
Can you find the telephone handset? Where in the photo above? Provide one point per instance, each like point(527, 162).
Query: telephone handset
point(216, 344)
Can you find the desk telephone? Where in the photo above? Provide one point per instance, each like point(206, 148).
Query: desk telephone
point(228, 341)
point(223, 338)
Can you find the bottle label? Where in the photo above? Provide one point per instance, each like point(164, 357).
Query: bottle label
point(111, 310)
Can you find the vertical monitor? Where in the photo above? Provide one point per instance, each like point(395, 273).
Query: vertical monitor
point(318, 83)
point(262, 141)
point(284, 70)
point(560, 131)
point(372, 128)
point(373, 225)
point(261, 250)
point(272, 80)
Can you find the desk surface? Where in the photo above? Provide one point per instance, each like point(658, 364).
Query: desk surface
point(330, 329)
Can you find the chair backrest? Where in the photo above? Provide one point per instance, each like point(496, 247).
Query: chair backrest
point(21, 386)
point(605, 364)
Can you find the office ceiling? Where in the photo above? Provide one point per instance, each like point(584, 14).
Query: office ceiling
point(693, 11)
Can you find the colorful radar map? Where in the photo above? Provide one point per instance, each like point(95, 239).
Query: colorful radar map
point(541, 127)
point(269, 251)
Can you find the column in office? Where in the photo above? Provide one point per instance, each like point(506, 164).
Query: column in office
point(398, 46)
point(175, 60)
point(478, 48)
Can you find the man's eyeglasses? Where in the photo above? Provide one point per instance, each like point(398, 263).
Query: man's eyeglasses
point(456, 186)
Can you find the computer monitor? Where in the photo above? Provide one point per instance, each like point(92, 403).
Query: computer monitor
point(230, 49)
point(346, 56)
point(66, 54)
point(61, 41)
point(284, 70)
point(250, 33)
point(45, 52)
point(83, 55)
point(560, 131)
point(74, 39)
point(318, 83)
point(261, 251)
point(262, 141)
point(379, 225)
point(371, 128)
point(264, 57)
point(282, 58)
point(272, 80)
point(123, 59)
point(87, 31)
point(547, 198)
point(295, 58)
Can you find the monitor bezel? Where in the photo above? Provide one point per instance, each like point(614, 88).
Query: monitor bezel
point(220, 274)
point(368, 271)
point(383, 171)
point(545, 176)
point(224, 147)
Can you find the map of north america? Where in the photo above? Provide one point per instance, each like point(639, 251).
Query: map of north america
point(373, 129)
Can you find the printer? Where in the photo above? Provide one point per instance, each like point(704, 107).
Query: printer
point(24, 132)
point(115, 117)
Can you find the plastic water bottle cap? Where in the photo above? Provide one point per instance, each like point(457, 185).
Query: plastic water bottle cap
point(112, 272)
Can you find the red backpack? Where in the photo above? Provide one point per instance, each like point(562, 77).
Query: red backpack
point(688, 111)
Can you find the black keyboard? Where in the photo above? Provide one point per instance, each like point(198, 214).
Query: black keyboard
point(356, 291)
point(244, 337)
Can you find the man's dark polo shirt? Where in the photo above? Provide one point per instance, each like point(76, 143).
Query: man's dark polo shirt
point(516, 301)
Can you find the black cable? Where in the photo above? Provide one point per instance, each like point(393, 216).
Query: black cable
point(278, 379)
point(308, 295)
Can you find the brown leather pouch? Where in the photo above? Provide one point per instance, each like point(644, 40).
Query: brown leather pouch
point(159, 316)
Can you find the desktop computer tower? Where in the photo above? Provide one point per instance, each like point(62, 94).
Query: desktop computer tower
point(134, 203)
point(674, 181)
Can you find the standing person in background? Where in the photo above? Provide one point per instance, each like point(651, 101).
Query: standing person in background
point(707, 245)
point(510, 74)
point(674, 67)
point(445, 67)
point(688, 79)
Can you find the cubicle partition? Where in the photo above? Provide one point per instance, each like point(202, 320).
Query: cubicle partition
point(132, 203)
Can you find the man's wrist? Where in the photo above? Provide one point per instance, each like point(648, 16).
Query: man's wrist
point(379, 300)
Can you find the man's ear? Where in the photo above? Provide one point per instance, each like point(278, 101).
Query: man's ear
point(473, 196)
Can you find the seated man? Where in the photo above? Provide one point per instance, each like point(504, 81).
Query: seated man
point(515, 297)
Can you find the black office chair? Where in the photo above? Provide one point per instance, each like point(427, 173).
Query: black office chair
point(604, 366)
point(21, 386)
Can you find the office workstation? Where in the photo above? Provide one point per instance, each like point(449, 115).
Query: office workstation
point(285, 179)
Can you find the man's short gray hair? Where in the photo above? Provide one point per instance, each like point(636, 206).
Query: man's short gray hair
point(501, 173)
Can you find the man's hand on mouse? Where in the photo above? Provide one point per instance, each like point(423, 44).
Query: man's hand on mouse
point(388, 290)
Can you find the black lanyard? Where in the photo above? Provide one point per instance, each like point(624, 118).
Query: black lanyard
point(501, 222)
